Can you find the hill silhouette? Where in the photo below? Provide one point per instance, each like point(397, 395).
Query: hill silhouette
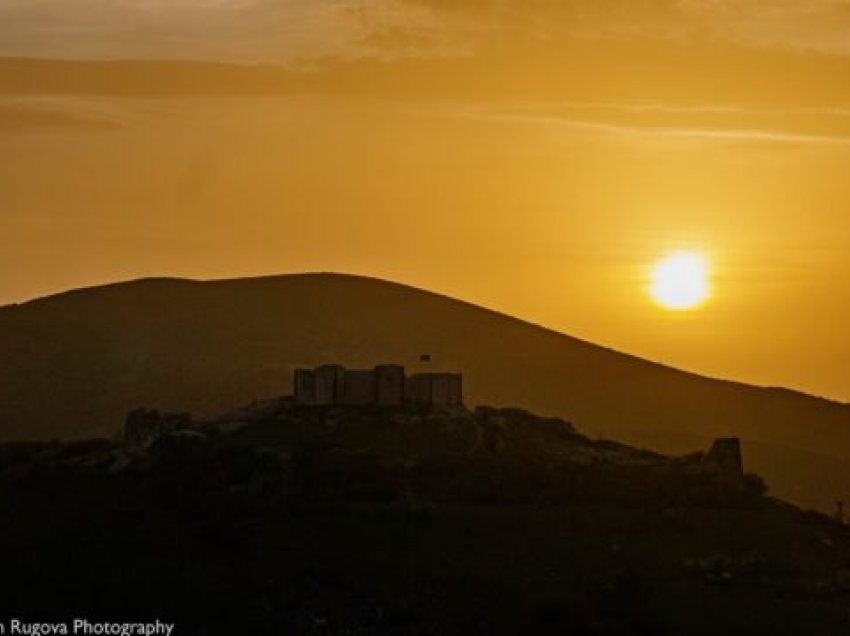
point(72, 366)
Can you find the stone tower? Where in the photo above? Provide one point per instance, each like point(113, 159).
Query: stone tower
point(724, 457)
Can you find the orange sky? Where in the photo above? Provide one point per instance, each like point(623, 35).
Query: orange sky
point(535, 157)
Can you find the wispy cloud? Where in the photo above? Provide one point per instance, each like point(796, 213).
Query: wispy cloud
point(28, 115)
point(286, 29)
point(243, 30)
point(814, 25)
point(719, 123)
point(680, 51)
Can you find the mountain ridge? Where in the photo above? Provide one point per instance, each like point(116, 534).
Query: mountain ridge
point(73, 364)
point(149, 280)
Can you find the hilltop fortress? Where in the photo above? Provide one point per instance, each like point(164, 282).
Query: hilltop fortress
point(385, 385)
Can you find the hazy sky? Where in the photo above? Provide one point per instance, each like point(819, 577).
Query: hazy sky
point(282, 29)
point(535, 156)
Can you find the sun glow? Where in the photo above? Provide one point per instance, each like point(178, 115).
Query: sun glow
point(680, 281)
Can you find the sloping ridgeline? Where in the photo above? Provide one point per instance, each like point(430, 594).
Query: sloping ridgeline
point(72, 365)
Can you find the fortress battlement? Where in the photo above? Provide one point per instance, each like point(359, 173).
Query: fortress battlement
point(385, 385)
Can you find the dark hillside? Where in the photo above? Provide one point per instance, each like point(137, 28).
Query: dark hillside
point(72, 365)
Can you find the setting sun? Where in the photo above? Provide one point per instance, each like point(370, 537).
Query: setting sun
point(680, 281)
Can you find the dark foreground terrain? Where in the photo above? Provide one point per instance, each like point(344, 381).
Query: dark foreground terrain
point(291, 520)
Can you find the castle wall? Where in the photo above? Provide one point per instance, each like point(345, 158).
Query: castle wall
point(725, 458)
point(455, 389)
point(142, 427)
point(390, 385)
point(329, 384)
point(385, 385)
point(419, 388)
point(359, 388)
point(440, 389)
point(436, 389)
point(305, 386)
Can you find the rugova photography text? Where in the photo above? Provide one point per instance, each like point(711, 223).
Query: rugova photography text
point(83, 627)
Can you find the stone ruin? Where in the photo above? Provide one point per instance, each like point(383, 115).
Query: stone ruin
point(143, 427)
point(388, 386)
point(724, 457)
point(385, 385)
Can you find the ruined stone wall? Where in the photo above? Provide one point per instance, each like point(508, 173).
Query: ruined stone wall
point(386, 385)
point(455, 389)
point(436, 389)
point(330, 384)
point(389, 385)
point(440, 389)
point(725, 458)
point(359, 388)
point(143, 427)
point(305, 386)
point(419, 388)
